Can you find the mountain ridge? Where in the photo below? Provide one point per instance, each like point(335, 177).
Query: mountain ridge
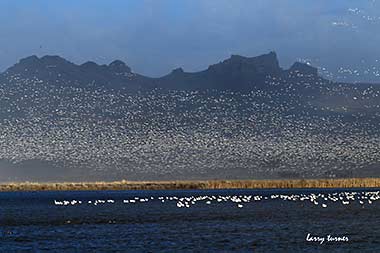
point(236, 73)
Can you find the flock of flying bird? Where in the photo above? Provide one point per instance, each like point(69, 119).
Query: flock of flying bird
point(294, 126)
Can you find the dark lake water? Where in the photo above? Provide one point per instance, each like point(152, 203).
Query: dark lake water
point(191, 221)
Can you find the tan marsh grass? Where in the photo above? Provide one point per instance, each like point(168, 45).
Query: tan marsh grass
point(183, 185)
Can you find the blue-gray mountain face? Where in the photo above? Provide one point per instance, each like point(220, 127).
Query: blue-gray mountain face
point(240, 118)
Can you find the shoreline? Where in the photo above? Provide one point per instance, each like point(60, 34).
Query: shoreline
point(192, 185)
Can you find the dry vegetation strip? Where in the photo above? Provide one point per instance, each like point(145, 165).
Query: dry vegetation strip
point(213, 184)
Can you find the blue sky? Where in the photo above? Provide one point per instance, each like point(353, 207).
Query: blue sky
point(156, 36)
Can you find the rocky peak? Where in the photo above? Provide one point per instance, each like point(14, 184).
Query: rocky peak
point(119, 67)
point(89, 65)
point(53, 59)
point(33, 64)
point(263, 64)
point(29, 60)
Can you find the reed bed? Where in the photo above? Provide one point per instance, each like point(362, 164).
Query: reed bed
point(187, 185)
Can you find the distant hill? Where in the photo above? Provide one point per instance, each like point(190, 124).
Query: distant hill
point(236, 73)
point(58, 71)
